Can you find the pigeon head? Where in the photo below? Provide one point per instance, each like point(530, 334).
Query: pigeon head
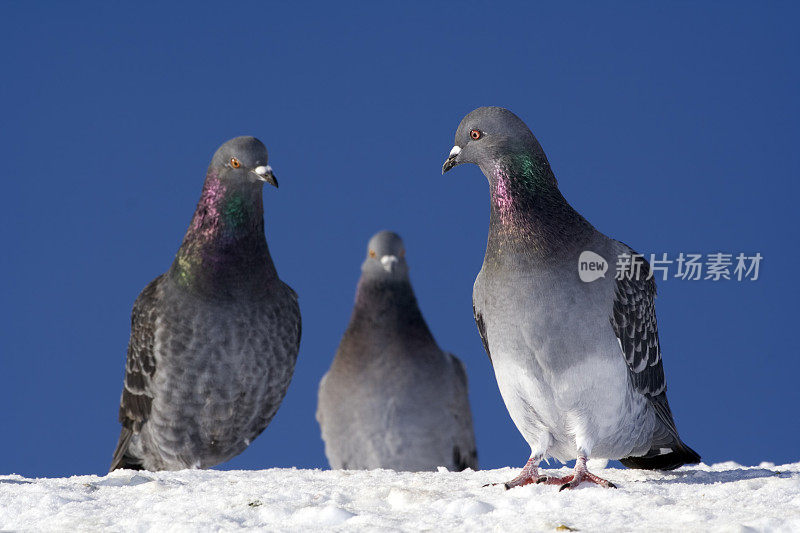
point(243, 160)
point(386, 257)
point(488, 133)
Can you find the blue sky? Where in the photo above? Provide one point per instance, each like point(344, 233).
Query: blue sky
point(673, 128)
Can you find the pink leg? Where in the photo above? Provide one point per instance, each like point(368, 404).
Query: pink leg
point(529, 474)
point(552, 480)
point(581, 475)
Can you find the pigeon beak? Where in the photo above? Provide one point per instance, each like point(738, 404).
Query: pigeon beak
point(264, 173)
point(451, 159)
point(389, 262)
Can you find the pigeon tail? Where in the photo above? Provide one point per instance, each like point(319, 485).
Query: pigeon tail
point(463, 460)
point(122, 460)
point(667, 451)
point(655, 460)
point(126, 463)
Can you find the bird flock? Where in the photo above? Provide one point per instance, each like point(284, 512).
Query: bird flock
point(214, 340)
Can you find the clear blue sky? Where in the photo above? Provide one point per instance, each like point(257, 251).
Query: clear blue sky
point(670, 127)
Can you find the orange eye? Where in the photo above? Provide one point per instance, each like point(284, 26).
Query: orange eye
point(235, 162)
point(475, 134)
point(372, 253)
point(403, 252)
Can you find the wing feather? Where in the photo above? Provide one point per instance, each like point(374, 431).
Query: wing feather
point(140, 367)
point(482, 331)
point(465, 453)
point(634, 322)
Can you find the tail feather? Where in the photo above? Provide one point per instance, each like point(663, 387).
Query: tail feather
point(121, 457)
point(667, 450)
point(656, 460)
point(462, 460)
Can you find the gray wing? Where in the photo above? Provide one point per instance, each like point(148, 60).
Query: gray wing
point(288, 338)
point(465, 453)
point(296, 316)
point(136, 401)
point(634, 322)
point(482, 331)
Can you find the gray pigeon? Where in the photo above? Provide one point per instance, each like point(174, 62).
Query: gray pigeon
point(392, 398)
point(578, 363)
point(214, 340)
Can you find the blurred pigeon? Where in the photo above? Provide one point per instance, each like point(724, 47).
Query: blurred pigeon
point(214, 340)
point(392, 398)
point(577, 362)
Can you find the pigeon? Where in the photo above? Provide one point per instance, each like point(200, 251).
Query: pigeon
point(392, 398)
point(214, 340)
point(578, 363)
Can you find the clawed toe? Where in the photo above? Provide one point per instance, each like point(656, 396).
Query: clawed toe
point(580, 475)
point(567, 482)
point(507, 485)
point(591, 478)
point(599, 481)
point(517, 483)
point(528, 475)
point(552, 480)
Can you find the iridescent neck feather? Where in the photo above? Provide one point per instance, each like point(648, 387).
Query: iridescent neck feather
point(224, 249)
point(528, 214)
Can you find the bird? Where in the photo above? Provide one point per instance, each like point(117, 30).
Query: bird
point(392, 399)
point(214, 339)
point(578, 363)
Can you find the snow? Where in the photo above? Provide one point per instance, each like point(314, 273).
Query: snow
point(722, 497)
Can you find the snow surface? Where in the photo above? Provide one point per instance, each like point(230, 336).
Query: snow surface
point(722, 497)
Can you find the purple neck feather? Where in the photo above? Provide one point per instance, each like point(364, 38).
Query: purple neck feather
point(225, 248)
point(528, 214)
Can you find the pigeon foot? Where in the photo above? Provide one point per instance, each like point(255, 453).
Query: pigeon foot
point(529, 474)
point(587, 477)
point(553, 480)
point(582, 475)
